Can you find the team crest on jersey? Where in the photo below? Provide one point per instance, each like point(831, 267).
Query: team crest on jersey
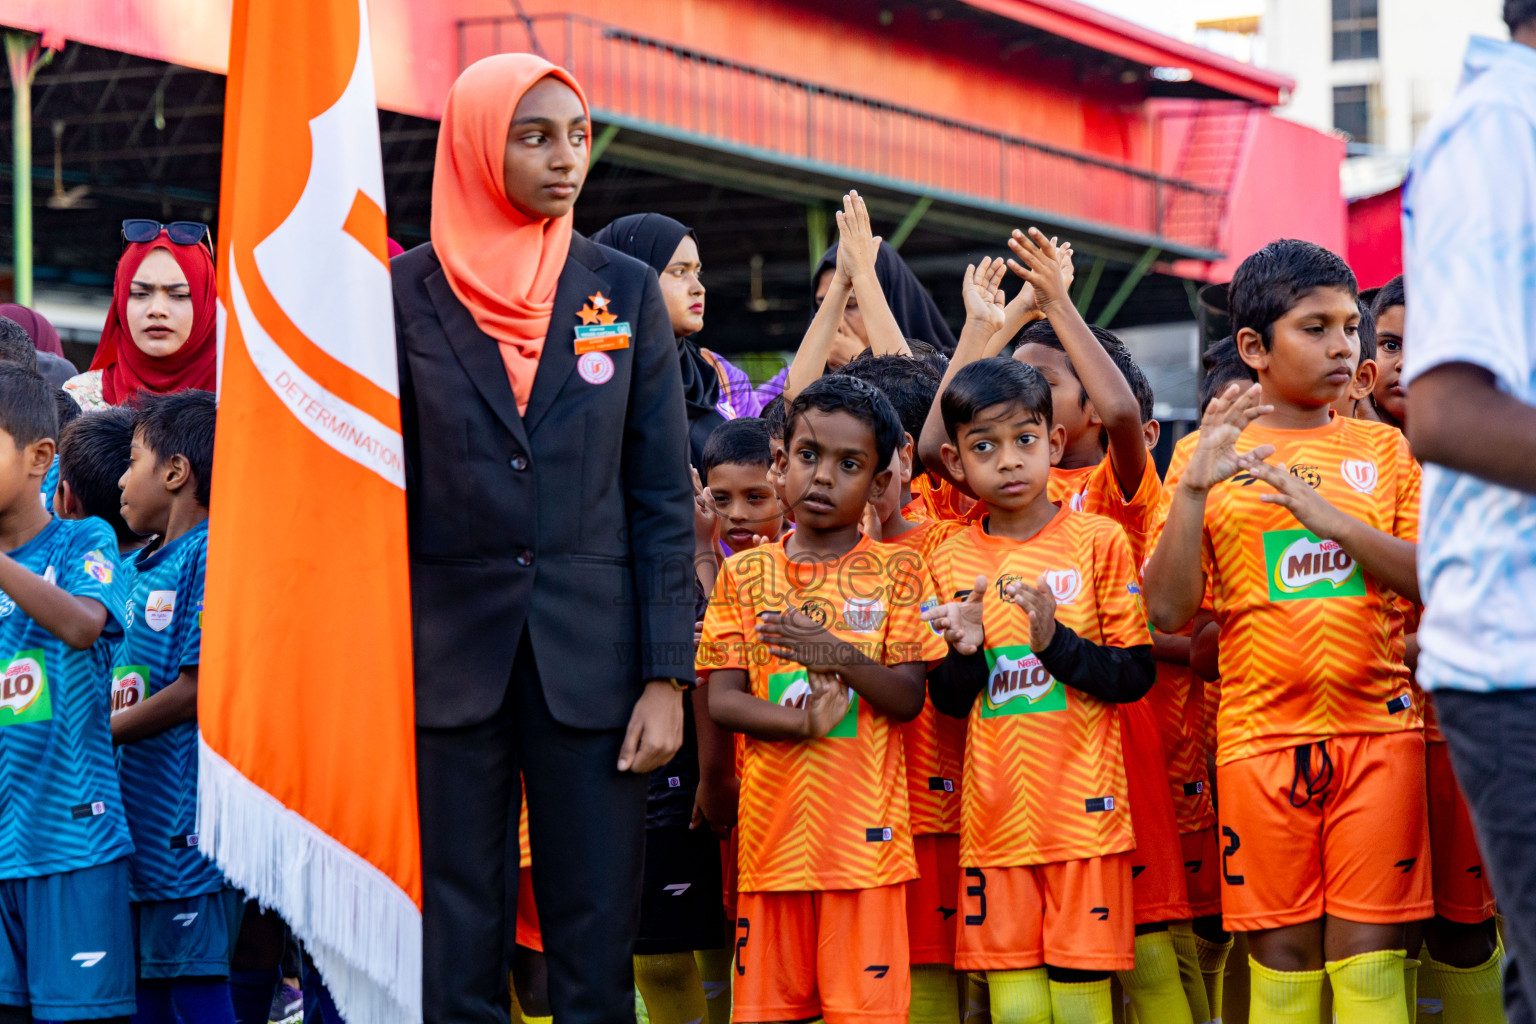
point(819, 611)
point(24, 693)
point(1003, 583)
point(1066, 584)
point(1303, 566)
point(159, 609)
point(928, 605)
point(129, 685)
point(1359, 474)
point(1309, 475)
point(98, 567)
point(1017, 684)
point(863, 614)
point(792, 689)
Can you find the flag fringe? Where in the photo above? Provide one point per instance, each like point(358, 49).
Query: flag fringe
point(362, 930)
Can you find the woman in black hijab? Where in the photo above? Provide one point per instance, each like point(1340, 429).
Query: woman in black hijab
point(916, 313)
point(672, 250)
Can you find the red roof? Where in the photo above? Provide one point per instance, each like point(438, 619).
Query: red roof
point(1093, 27)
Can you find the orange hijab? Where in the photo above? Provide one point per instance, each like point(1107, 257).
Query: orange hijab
point(502, 263)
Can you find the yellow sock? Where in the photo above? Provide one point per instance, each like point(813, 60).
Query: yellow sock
point(715, 975)
point(1191, 977)
point(1020, 997)
point(670, 985)
point(1284, 997)
point(1080, 1003)
point(1153, 984)
point(1368, 987)
point(1411, 987)
point(1212, 959)
point(1473, 995)
point(517, 1009)
point(978, 999)
point(935, 995)
point(537, 1020)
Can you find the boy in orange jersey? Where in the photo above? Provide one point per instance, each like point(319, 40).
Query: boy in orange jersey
point(815, 653)
point(1048, 630)
point(1462, 937)
point(934, 743)
point(1107, 469)
point(1320, 749)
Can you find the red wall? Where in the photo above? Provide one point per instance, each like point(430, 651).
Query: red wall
point(1376, 238)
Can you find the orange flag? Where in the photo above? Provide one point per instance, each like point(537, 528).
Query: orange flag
point(307, 784)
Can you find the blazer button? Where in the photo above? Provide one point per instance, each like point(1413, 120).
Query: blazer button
point(519, 463)
point(525, 557)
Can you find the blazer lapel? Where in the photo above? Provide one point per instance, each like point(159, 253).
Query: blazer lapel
point(577, 282)
point(478, 353)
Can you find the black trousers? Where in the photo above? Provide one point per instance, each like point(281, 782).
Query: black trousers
point(1492, 738)
point(586, 825)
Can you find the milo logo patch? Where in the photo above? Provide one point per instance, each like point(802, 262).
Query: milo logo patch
point(1302, 566)
point(792, 689)
point(129, 685)
point(1017, 684)
point(24, 690)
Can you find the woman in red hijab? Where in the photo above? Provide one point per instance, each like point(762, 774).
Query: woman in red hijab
point(160, 332)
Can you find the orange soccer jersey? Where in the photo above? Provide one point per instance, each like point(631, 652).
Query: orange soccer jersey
point(1310, 645)
point(829, 813)
point(1044, 772)
point(1178, 701)
point(1096, 489)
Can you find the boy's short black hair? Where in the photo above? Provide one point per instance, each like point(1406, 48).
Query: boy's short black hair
point(93, 456)
point(988, 382)
point(837, 392)
point(908, 381)
point(27, 411)
point(1222, 366)
point(739, 442)
point(68, 409)
point(1519, 12)
point(1391, 293)
point(773, 415)
point(1142, 389)
point(1271, 281)
point(181, 423)
point(1366, 334)
point(16, 344)
point(1042, 333)
point(924, 352)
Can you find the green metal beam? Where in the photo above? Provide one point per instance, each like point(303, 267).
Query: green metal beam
point(817, 231)
point(1089, 285)
point(600, 143)
point(22, 57)
point(909, 222)
point(1139, 271)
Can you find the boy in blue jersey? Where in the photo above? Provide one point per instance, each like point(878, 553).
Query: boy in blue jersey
point(185, 915)
point(66, 948)
point(93, 456)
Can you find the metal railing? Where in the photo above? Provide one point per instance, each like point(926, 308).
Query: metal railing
point(644, 83)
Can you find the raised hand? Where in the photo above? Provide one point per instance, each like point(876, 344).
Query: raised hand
point(980, 288)
point(1026, 303)
point(706, 521)
point(1310, 508)
point(960, 621)
point(1043, 265)
point(1039, 602)
point(1215, 457)
point(857, 245)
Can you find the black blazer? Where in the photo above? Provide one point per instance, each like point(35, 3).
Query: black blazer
point(575, 519)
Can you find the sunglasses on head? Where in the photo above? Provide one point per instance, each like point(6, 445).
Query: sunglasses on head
point(182, 232)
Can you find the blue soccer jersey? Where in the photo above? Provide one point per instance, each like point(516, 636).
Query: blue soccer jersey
point(61, 808)
point(159, 774)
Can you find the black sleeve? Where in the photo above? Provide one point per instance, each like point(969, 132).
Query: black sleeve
point(1118, 675)
point(954, 682)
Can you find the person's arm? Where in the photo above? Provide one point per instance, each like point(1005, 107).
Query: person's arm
point(862, 245)
point(1459, 418)
point(163, 710)
point(1024, 308)
point(1390, 559)
point(979, 287)
point(1106, 387)
point(734, 708)
point(1175, 575)
point(1204, 646)
point(896, 690)
point(954, 682)
point(1117, 675)
point(659, 507)
point(810, 360)
point(77, 621)
point(715, 803)
point(1172, 648)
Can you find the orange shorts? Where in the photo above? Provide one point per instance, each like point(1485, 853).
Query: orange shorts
point(840, 956)
point(931, 899)
point(1202, 871)
point(1462, 892)
point(1076, 914)
point(1157, 863)
point(528, 932)
point(1334, 827)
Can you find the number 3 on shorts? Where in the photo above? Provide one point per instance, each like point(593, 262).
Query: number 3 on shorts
point(979, 890)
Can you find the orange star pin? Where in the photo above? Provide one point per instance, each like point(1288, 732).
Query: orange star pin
point(598, 300)
point(589, 315)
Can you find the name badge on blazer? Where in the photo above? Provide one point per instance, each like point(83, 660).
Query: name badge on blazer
point(602, 338)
